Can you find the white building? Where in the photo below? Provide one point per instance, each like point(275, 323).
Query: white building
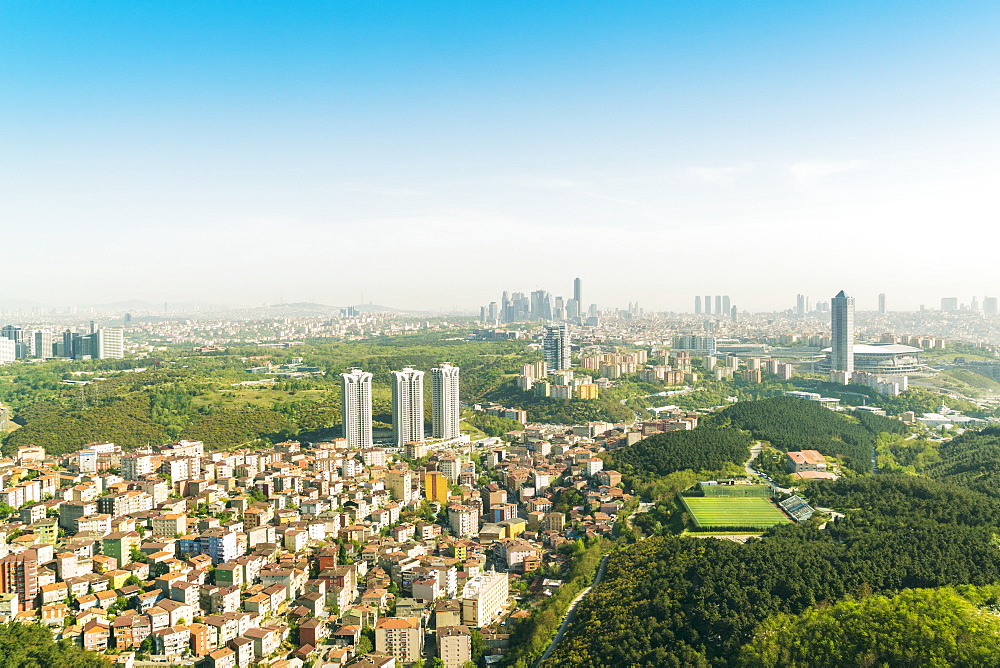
point(446, 412)
point(483, 598)
point(110, 343)
point(356, 409)
point(407, 406)
point(8, 350)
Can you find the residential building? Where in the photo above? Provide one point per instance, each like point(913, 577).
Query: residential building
point(357, 408)
point(445, 408)
point(408, 405)
point(400, 637)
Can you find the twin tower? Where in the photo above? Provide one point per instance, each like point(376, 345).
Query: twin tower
point(407, 405)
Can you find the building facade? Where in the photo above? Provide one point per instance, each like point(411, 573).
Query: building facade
point(357, 408)
point(407, 406)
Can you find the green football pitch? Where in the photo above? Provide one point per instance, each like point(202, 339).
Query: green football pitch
point(716, 512)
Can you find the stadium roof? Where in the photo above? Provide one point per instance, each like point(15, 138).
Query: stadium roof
point(890, 349)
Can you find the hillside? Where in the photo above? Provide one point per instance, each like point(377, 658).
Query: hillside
point(681, 601)
point(794, 424)
point(701, 449)
point(927, 627)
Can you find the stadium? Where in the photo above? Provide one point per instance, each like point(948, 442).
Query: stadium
point(884, 360)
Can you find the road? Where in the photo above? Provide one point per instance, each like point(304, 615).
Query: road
point(571, 611)
point(751, 471)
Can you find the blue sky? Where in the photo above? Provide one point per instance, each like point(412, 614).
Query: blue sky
point(431, 154)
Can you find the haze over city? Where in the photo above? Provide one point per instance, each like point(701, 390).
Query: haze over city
point(431, 155)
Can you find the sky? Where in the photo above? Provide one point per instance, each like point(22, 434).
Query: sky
point(432, 154)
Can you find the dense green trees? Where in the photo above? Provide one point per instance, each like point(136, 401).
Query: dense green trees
point(793, 424)
point(701, 449)
point(921, 627)
point(32, 646)
point(679, 601)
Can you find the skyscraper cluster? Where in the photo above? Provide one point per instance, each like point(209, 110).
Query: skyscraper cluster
point(407, 405)
point(539, 305)
point(100, 343)
point(718, 305)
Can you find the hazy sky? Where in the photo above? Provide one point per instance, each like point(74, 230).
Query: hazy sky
point(432, 154)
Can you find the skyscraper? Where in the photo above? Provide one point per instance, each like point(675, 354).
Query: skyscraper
point(444, 401)
point(697, 305)
point(990, 305)
point(725, 305)
point(949, 304)
point(578, 291)
point(356, 408)
point(556, 347)
point(718, 305)
point(842, 319)
point(800, 304)
point(407, 405)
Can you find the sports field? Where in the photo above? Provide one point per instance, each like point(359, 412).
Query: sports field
point(715, 512)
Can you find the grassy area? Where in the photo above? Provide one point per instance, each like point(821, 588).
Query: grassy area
point(722, 512)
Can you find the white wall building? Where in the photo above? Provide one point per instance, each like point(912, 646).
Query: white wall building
point(357, 408)
point(444, 399)
point(407, 405)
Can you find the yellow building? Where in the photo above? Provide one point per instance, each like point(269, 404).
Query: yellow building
point(588, 391)
point(436, 487)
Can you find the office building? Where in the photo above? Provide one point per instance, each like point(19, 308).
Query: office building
point(842, 320)
point(708, 305)
point(109, 343)
point(989, 305)
point(718, 305)
point(578, 291)
point(357, 408)
point(949, 304)
point(556, 347)
point(8, 350)
point(445, 409)
point(407, 406)
point(18, 336)
point(697, 305)
point(41, 344)
point(881, 303)
point(726, 306)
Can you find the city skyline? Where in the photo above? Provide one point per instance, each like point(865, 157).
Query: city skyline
point(162, 155)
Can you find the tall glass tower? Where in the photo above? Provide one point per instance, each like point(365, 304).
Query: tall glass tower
point(842, 317)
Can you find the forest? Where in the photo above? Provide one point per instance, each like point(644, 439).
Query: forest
point(789, 423)
point(701, 449)
point(919, 627)
point(185, 395)
point(680, 601)
point(31, 646)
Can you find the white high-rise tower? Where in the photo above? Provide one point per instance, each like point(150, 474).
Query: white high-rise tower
point(444, 400)
point(408, 405)
point(357, 408)
point(842, 317)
